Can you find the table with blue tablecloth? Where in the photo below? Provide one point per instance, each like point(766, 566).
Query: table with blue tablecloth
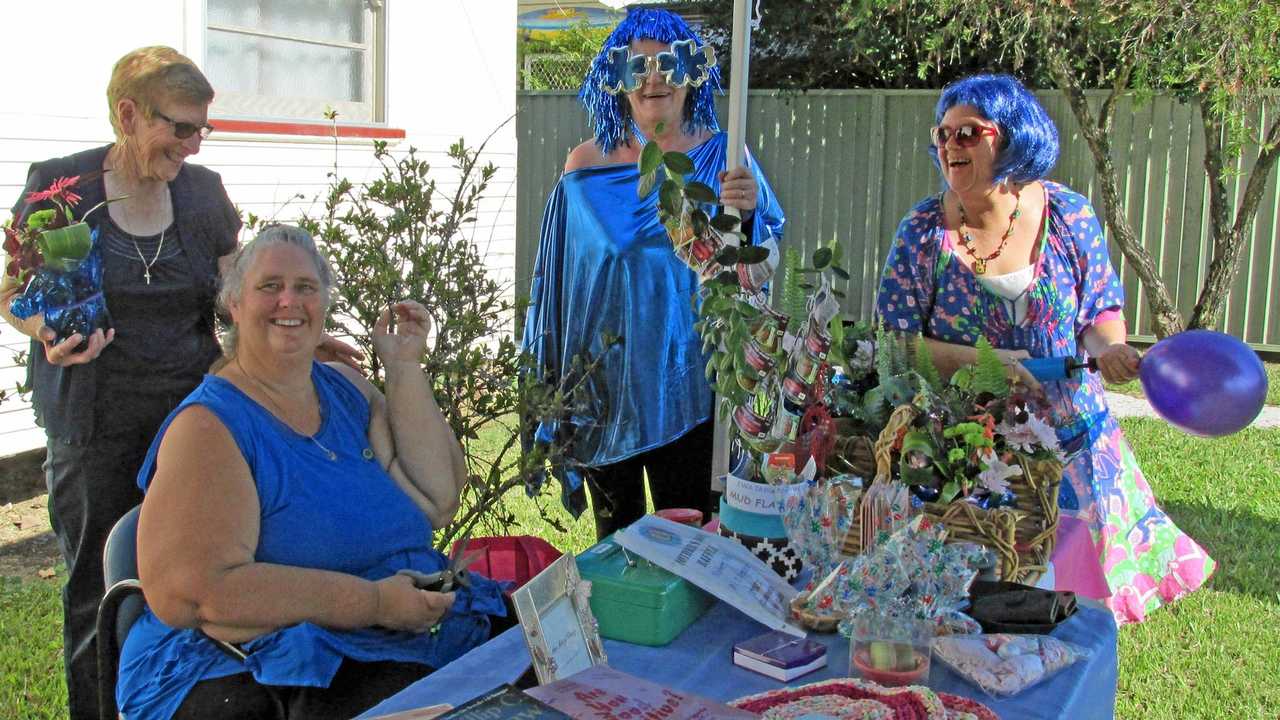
point(699, 661)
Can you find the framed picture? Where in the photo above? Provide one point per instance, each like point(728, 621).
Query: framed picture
point(555, 615)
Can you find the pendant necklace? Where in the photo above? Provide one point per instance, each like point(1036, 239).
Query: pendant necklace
point(980, 263)
point(331, 455)
point(146, 266)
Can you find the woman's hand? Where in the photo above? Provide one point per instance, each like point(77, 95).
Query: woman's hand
point(409, 340)
point(401, 606)
point(1012, 360)
point(64, 353)
point(331, 349)
point(1119, 363)
point(738, 189)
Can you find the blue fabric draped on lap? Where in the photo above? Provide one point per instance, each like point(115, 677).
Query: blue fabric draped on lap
point(346, 515)
point(605, 264)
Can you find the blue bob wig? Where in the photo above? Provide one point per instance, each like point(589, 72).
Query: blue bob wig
point(610, 115)
point(1029, 139)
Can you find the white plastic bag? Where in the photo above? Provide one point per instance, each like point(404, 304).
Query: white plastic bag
point(1004, 664)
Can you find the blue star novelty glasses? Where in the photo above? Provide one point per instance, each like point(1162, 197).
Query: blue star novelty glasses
point(684, 64)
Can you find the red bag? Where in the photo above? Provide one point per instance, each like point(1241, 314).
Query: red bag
point(515, 558)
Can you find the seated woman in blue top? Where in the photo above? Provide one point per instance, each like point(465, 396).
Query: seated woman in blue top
point(282, 497)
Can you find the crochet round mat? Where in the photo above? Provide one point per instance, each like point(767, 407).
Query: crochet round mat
point(854, 699)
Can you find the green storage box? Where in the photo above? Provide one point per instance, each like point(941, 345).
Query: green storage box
point(642, 604)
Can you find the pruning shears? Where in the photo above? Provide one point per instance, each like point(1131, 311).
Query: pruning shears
point(454, 575)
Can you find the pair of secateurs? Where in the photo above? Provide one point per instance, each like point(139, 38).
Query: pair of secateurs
point(452, 576)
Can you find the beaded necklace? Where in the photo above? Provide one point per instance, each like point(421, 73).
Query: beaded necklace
point(980, 263)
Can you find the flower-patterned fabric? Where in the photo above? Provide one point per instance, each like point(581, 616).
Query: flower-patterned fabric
point(1108, 509)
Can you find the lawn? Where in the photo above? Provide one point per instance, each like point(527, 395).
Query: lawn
point(1212, 655)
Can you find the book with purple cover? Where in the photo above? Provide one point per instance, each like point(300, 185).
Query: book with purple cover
point(780, 655)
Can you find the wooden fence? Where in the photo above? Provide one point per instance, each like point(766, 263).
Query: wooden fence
point(847, 164)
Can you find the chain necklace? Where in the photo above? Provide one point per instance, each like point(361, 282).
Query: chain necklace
point(331, 455)
point(980, 263)
point(146, 266)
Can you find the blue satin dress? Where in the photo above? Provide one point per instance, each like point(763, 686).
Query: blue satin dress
point(606, 265)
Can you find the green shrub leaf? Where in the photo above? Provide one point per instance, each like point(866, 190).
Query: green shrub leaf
point(650, 158)
point(700, 192)
point(677, 162)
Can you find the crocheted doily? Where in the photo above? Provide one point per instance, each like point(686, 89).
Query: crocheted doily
point(855, 699)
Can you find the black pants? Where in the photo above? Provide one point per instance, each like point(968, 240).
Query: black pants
point(679, 476)
point(90, 487)
point(356, 687)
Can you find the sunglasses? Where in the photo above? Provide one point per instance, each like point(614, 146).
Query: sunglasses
point(184, 130)
point(966, 136)
point(685, 64)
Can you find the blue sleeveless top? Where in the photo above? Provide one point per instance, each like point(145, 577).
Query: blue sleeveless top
point(346, 515)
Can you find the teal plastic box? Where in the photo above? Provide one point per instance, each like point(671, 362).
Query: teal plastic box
point(642, 604)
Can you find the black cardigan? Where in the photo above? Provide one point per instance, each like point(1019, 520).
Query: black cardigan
point(63, 397)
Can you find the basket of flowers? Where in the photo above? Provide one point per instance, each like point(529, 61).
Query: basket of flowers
point(972, 454)
point(975, 455)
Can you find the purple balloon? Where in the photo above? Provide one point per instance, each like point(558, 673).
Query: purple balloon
point(1207, 383)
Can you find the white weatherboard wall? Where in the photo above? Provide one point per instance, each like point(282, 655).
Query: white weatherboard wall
point(450, 74)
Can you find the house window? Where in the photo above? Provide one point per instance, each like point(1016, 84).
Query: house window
point(296, 58)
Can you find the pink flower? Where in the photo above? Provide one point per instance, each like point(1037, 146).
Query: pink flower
point(59, 192)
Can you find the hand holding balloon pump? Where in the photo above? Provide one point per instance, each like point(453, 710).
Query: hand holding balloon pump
point(1203, 382)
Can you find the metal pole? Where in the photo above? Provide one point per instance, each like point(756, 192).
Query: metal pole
point(739, 66)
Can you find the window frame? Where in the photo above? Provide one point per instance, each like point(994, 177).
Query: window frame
point(375, 68)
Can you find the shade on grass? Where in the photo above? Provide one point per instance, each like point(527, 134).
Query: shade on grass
point(31, 680)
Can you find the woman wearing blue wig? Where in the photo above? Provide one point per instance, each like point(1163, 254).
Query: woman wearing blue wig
point(606, 265)
point(1005, 254)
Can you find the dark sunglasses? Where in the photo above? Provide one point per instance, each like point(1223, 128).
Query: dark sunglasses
point(184, 130)
point(966, 136)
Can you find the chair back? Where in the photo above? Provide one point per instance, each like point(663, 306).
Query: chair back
point(120, 606)
point(120, 562)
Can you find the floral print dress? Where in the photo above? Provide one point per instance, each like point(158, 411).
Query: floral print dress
point(1114, 543)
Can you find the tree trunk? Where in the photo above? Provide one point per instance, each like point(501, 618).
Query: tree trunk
point(1165, 318)
point(1228, 236)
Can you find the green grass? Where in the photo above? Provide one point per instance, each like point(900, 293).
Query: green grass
point(1215, 653)
point(1133, 388)
point(1212, 655)
point(31, 681)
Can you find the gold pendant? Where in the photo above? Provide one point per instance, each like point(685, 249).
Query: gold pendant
point(979, 266)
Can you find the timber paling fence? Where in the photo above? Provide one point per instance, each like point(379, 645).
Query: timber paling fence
point(848, 164)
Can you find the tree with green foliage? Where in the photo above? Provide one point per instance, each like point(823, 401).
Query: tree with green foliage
point(574, 48)
point(402, 235)
point(862, 44)
point(1221, 56)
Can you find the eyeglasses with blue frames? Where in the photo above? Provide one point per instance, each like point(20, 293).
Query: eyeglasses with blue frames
point(184, 130)
point(966, 136)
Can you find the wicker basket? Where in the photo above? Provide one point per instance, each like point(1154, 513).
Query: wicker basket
point(1022, 536)
point(853, 454)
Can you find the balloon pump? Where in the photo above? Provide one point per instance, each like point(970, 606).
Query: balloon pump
point(1050, 369)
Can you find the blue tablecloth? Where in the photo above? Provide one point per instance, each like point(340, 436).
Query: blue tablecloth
point(699, 661)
